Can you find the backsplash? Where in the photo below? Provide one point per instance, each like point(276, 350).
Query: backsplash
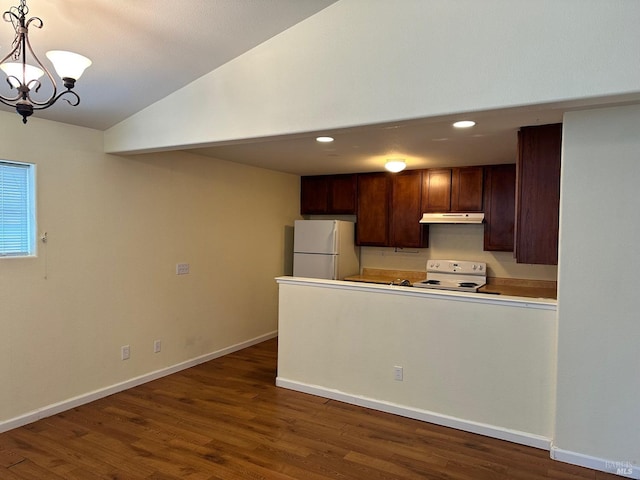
point(456, 242)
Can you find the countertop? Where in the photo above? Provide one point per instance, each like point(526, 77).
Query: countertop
point(376, 275)
point(516, 287)
point(520, 291)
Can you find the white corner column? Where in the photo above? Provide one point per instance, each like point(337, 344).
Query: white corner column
point(598, 393)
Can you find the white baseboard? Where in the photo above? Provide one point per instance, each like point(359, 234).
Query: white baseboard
point(70, 403)
point(624, 469)
point(514, 436)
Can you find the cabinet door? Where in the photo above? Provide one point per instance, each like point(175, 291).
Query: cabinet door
point(538, 194)
point(342, 194)
point(314, 195)
point(406, 210)
point(372, 227)
point(466, 189)
point(436, 190)
point(499, 207)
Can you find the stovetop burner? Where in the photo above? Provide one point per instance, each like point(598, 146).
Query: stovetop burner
point(454, 275)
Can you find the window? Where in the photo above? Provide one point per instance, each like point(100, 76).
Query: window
point(17, 209)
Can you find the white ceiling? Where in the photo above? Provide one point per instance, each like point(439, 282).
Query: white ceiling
point(143, 50)
point(425, 143)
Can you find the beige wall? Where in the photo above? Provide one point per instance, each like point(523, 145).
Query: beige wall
point(117, 227)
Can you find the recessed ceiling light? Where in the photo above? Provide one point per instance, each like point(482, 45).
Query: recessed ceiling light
point(324, 139)
point(464, 124)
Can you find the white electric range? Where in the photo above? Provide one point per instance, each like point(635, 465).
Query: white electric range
point(456, 275)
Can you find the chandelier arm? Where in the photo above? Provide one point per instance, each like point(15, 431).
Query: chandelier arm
point(4, 99)
point(9, 55)
point(15, 16)
point(12, 53)
point(10, 101)
point(9, 16)
point(27, 42)
point(75, 103)
point(39, 23)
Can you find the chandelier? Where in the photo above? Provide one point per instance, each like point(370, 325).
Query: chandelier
point(24, 78)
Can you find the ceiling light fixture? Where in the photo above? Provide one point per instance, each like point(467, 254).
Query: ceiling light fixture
point(395, 165)
point(25, 78)
point(324, 139)
point(464, 124)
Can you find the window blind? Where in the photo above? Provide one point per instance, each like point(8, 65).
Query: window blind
point(16, 218)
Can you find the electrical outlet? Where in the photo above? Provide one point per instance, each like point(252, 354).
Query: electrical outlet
point(182, 269)
point(125, 352)
point(398, 373)
point(157, 346)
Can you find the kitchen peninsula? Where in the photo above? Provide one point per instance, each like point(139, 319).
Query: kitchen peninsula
point(481, 363)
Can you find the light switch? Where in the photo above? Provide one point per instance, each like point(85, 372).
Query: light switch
point(182, 269)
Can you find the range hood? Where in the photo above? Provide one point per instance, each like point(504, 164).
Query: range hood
point(452, 218)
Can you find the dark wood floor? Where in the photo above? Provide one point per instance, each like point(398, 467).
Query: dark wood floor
point(225, 419)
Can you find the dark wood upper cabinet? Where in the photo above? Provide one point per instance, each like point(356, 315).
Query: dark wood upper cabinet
point(436, 190)
point(389, 210)
point(328, 194)
point(520, 201)
point(452, 190)
point(466, 189)
point(343, 194)
point(314, 198)
point(406, 210)
point(499, 207)
point(372, 227)
point(538, 194)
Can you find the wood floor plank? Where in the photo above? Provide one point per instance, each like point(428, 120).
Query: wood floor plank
point(9, 458)
point(48, 451)
point(29, 470)
point(226, 420)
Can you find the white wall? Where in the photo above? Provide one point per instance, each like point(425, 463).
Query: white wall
point(598, 412)
point(368, 61)
point(117, 227)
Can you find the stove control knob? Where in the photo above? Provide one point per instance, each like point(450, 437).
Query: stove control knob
point(480, 267)
point(475, 267)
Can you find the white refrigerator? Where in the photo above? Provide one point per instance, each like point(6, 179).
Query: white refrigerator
point(325, 249)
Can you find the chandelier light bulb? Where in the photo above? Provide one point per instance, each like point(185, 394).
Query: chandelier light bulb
point(14, 69)
point(68, 64)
